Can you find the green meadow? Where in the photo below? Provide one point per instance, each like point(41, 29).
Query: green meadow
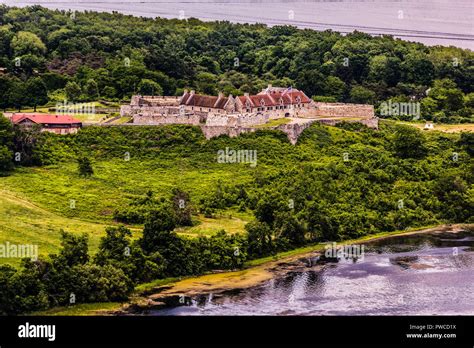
point(37, 202)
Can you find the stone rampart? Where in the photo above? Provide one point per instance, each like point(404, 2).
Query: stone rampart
point(338, 110)
point(191, 119)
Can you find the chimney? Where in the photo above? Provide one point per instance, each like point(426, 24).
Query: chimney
point(192, 91)
point(220, 95)
point(269, 86)
point(185, 91)
point(246, 94)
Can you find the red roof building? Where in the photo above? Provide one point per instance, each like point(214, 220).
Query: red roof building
point(59, 124)
point(271, 98)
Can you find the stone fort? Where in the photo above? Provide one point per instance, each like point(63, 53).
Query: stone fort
point(217, 115)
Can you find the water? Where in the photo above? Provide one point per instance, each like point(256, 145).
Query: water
point(428, 274)
point(436, 22)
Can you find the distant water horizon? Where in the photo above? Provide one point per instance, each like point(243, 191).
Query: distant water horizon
point(437, 22)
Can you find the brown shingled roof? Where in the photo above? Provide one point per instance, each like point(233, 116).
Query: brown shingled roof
point(257, 100)
point(272, 97)
point(205, 101)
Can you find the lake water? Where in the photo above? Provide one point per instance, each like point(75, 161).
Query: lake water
point(424, 274)
point(436, 22)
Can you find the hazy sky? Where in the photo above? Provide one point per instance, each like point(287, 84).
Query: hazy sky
point(444, 22)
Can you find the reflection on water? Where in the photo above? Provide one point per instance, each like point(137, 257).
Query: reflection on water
point(412, 275)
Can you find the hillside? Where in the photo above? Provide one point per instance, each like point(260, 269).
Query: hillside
point(163, 158)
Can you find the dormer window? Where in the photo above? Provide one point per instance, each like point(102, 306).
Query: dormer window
point(281, 101)
point(247, 104)
point(298, 99)
point(262, 102)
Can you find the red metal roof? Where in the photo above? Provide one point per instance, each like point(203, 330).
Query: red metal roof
point(45, 118)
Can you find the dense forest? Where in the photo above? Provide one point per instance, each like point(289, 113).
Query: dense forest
point(50, 56)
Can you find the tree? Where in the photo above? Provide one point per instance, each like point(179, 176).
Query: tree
point(37, 92)
point(22, 291)
point(452, 191)
point(182, 207)
point(73, 91)
point(92, 89)
point(383, 68)
point(260, 239)
point(5, 40)
point(117, 250)
point(335, 87)
point(6, 131)
point(6, 156)
point(25, 42)
point(85, 166)
point(17, 95)
point(115, 245)
point(269, 205)
point(93, 283)
point(312, 82)
point(362, 95)
point(321, 222)
point(429, 107)
point(149, 87)
point(6, 144)
point(54, 81)
point(27, 142)
point(290, 228)
point(418, 69)
point(157, 231)
point(109, 92)
point(206, 83)
point(409, 142)
point(446, 93)
point(74, 250)
point(467, 141)
point(5, 85)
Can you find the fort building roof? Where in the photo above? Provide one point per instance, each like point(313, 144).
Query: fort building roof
point(271, 96)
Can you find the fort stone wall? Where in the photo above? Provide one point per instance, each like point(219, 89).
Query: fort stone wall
point(191, 119)
point(338, 110)
point(159, 100)
point(236, 120)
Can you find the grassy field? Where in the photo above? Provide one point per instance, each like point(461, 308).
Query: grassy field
point(447, 128)
point(273, 123)
point(230, 221)
point(22, 222)
point(114, 183)
point(36, 203)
